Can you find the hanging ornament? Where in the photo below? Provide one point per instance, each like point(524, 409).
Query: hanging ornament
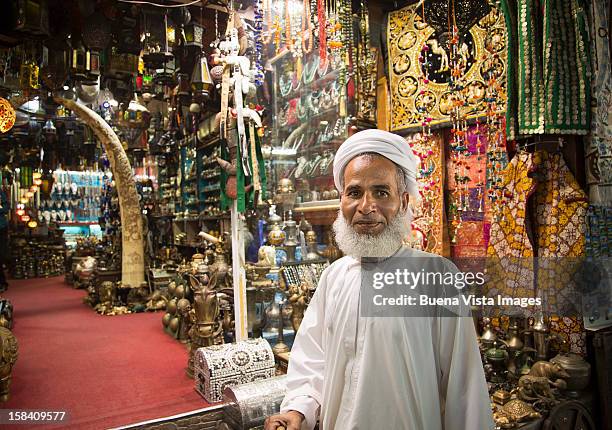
point(7, 115)
point(459, 146)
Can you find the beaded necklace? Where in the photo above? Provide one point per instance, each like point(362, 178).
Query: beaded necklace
point(307, 29)
point(322, 33)
point(310, 70)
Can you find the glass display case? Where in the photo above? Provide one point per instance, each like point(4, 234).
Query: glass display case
point(309, 122)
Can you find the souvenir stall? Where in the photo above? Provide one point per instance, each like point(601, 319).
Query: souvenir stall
point(176, 157)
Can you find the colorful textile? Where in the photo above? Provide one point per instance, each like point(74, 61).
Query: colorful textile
point(471, 237)
point(559, 239)
point(511, 271)
point(529, 79)
point(561, 208)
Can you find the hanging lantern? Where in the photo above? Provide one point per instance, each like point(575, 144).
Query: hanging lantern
point(78, 61)
point(93, 71)
point(136, 115)
point(201, 81)
point(55, 72)
point(28, 76)
point(7, 116)
point(23, 200)
point(20, 212)
point(96, 32)
point(122, 64)
point(32, 224)
point(38, 182)
point(25, 218)
point(194, 34)
point(184, 87)
point(159, 37)
point(84, 64)
point(165, 74)
point(29, 194)
point(36, 175)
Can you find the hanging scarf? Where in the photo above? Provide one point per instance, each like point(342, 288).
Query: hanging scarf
point(559, 232)
point(243, 198)
point(560, 211)
point(553, 88)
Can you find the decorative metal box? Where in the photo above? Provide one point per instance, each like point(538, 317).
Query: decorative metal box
point(248, 405)
point(220, 366)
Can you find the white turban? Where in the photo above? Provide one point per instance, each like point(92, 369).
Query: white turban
point(389, 145)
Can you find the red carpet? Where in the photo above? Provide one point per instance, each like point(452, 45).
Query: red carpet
point(105, 371)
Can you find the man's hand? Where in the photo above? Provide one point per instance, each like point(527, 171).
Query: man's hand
point(291, 420)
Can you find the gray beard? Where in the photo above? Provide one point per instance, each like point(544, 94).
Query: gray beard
point(383, 245)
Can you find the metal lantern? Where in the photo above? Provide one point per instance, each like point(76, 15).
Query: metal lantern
point(84, 63)
point(165, 73)
point(194, 34)
point(96, 32)
point(55, 72)
point(184, 89)
point(78, 60)
point(201, 80)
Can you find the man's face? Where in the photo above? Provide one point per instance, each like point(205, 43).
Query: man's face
point(371, 199)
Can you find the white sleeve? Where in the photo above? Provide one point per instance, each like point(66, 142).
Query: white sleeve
point(307, 362)
point(463, 388)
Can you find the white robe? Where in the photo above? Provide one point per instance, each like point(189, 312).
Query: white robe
point(353, 372)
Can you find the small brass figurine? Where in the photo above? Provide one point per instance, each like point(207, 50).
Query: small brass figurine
point(8, 357)
point(513, 412)
point(299, 298)
point(542, 377)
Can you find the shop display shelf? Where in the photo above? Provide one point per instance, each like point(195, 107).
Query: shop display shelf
point(318, 205)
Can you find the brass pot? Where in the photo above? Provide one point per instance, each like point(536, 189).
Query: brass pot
point(578, 369)
point(166, 319)
point(174, 324)
point(276, 236)
point(172, 306)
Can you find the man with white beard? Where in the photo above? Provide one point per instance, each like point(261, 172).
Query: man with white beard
point(348, 371)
